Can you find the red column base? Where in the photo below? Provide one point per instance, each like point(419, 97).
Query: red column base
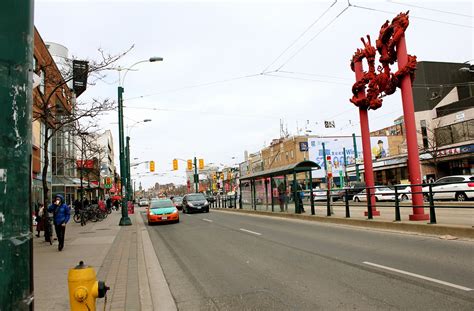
point(374, 213)
point(416, 217)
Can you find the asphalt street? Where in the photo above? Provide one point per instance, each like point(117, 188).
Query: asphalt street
point(227, 261)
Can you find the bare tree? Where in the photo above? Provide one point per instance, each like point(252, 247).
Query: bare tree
point(431, 144)
point(56, 106)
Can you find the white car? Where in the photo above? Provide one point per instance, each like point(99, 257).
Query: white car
point(404, 192)
point(143, 202)
point(457, 187)
point(381, 194)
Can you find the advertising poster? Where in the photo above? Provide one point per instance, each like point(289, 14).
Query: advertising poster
point(334, 147)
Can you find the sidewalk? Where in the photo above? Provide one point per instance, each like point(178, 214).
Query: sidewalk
point(123, 257)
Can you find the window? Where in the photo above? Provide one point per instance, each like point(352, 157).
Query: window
point(292, 154)
point(42, 81)
point(424, 134)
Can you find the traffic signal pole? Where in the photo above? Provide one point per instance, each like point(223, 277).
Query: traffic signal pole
point(16, 244)
point(196, 176)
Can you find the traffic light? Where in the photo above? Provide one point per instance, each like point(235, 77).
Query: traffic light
point(190, 165)
point(152, 166)
point(175, 164)
point(214, 176)
point(201, 164)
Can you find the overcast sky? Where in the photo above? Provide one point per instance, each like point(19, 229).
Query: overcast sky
point(232, 43)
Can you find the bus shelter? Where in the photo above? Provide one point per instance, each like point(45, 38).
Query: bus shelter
point(280, 188)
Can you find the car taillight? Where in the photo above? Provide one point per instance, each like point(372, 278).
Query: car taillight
point(470, 184)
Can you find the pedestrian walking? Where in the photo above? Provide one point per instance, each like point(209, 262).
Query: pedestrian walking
point(61, 215)
point(39, 218)
point(299, 197)
point(108, 204)
point(282, 196)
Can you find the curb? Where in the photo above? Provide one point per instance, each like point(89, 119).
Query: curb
point(162, 299)
point(462, 232)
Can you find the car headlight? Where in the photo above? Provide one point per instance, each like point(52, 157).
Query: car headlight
point(175, 211)
point(190, 204)
point(206, 204)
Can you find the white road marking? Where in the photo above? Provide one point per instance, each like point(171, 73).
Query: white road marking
point(208, 220)
point(253, 232)
point(419, 276)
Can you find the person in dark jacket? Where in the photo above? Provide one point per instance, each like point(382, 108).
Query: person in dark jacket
point(61, 215)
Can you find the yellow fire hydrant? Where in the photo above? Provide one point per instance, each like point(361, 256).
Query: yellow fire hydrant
point(84, 288)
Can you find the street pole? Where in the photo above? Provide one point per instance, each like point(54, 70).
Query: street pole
point(82, 173)
point(124, 220)
point(346, 179)
point(129, 175)
point(356, 155)
point(16, 241)
point(196, 176)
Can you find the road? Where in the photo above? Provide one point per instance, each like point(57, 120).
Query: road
point(227, 261)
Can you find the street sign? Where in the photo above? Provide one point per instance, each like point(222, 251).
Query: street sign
point(329, 124)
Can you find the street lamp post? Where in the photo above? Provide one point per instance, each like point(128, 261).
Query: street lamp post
point(125, 220)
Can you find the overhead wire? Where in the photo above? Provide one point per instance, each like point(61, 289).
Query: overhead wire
point(196, 86)
point(429, 9)
point(300, 36)
point(312, 74)
point(306, 79)
point(314, 37)
point(411, 16)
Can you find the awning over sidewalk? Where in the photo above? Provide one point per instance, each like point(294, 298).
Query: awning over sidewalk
point(304, 166)
point(66, 181)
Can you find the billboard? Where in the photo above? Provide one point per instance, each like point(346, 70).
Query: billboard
point(335, 148)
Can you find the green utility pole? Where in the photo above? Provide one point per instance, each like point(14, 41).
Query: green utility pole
point(16, 232)
point(346, 179)
point(124, 220)
point(196, 176)
point(129, 175)
point(356, 156)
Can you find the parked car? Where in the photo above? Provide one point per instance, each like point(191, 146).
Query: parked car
point(210, 198)
point(380, 193)
point(162, 211)
point(457, 187)
point(178, 202)
point(143, 202)
point(195, 202)
point(321, 195)
point(404, 192)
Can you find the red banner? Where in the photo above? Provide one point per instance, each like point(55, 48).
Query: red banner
point(88, 164)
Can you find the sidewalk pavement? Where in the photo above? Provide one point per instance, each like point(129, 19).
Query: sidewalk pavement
point(123, 257)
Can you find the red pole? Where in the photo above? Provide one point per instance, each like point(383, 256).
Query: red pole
point(365, 133)
point(411, 136)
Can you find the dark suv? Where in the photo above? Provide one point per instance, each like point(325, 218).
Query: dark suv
point(195, 202)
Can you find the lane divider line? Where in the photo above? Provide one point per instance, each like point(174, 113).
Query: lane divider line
point(208, 220)
point(418, 276)
point(248, 231)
